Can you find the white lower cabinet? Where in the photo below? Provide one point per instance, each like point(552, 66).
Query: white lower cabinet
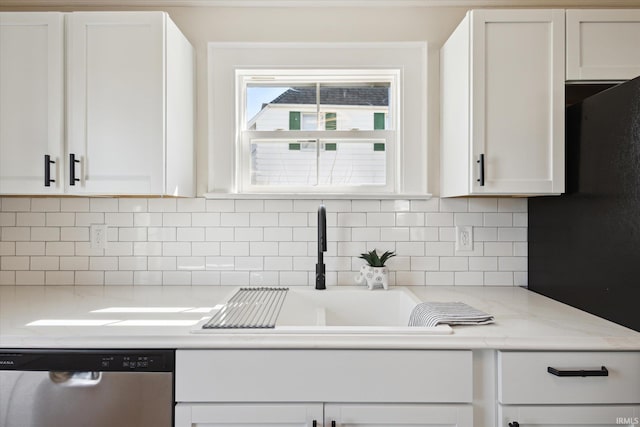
point(323, 415)
point(329, 388)
point(555, 389)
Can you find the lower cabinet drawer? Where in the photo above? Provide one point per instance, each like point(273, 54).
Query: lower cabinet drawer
point(575, 377)
point(324, 375)
point(558, 416)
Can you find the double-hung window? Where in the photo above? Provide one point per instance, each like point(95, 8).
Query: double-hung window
point(317, 130)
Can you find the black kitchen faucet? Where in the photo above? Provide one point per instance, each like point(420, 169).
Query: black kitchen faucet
point(322, 247)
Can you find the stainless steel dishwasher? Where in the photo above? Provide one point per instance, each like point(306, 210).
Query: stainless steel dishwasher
point(86, 388)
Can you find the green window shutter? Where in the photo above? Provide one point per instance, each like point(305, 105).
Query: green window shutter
point(378, 146)
point(294, 120)
point(330, 121)
point(330, 146)
point(378, 121)
point(294, 146)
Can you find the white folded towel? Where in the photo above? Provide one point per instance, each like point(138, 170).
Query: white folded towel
point(450, 313)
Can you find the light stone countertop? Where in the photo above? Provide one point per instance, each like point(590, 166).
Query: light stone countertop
point(524, 321)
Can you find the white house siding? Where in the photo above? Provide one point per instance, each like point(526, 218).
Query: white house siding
point(276, 116)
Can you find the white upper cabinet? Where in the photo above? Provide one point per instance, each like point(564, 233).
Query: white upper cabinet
point(502, 111)
point(130, 105)
point(603, 44)
point(31, 102)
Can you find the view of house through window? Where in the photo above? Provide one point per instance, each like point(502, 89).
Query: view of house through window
point(310, 132)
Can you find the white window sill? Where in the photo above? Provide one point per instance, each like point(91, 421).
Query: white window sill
point(317, 196)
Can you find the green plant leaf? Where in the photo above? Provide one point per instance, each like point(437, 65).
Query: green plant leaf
point(375, 259)
point(385, 256)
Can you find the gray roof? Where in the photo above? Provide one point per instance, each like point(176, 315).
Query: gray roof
point(336, 96)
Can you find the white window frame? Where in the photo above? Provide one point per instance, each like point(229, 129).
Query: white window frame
point(288, 77)
point(224, 58)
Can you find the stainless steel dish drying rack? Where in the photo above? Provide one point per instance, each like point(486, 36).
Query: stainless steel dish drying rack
point(250, 308)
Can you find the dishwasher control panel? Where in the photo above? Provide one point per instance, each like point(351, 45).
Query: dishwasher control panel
point(88, 360)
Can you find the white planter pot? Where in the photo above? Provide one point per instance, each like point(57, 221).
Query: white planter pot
point(374, 276)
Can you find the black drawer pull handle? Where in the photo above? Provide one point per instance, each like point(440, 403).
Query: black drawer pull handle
point(72, 169)
point(602, 372)
point(314, 423)
point(481, 163)
point(47, 170)
point(514, 424)
point(333, 424)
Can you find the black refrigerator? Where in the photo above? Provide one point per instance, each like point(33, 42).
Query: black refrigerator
point(584, 246)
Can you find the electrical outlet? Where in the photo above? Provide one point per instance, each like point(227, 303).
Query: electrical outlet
point(98, 236)
point(464, 238)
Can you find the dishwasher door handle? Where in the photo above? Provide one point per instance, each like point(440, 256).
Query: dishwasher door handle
point(75, 378)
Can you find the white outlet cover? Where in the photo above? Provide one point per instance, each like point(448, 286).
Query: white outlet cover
point(98, 236)
point(464, 238)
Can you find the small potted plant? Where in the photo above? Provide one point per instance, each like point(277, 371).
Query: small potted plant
point(375, 272)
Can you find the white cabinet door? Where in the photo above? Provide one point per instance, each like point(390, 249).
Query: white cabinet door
point(603, 44)
point(351, 415)
point(31, 102)
point(248, 415)
point(503, 104)
point(559, 416)
point(116, 102)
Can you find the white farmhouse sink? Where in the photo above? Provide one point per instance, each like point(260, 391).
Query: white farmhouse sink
point(343, 310)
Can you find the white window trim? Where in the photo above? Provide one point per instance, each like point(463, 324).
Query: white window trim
point(289, 76)
point(410, 57)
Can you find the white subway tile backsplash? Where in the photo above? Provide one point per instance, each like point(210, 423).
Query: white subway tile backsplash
point(28, 248)
point(117, 277)
point(86, 219)
point(205, 278)
point(410, 219)
point(278, 205)
point(89, 278)
point(176, 249)
point(253, 241)
point(454, 263)
point(103, 263)
point(9, 248)
point(29, 277)
point(7, 219)
point(119, 249)
point(103, 205)
point(512, 205)
point(440, 219)
point(60, 219)
point(11, 204)
point(178, 278)
point(74, 204)
point(512, 263)
point(60, 277)
point(45, 205)
point(468, 278)
point(191, 205)
point(60, 248)
point(439, 248)
point(395, 205)
point(439, 278)
point(516, 234)
point(394, 234)
point(162, 205)
point(14, 263)
point(28, 219)
point(147, 278)
point(498, 278)
point(73, 263)
point(44, 263)
point(454, 205)
point(483, 204)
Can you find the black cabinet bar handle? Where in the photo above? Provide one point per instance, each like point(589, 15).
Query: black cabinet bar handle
point(314, 423)
point(514, 424)
point(602, 372)
point(72, 169)
point(333, 424)
point(481, 163)
point(47, 171)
